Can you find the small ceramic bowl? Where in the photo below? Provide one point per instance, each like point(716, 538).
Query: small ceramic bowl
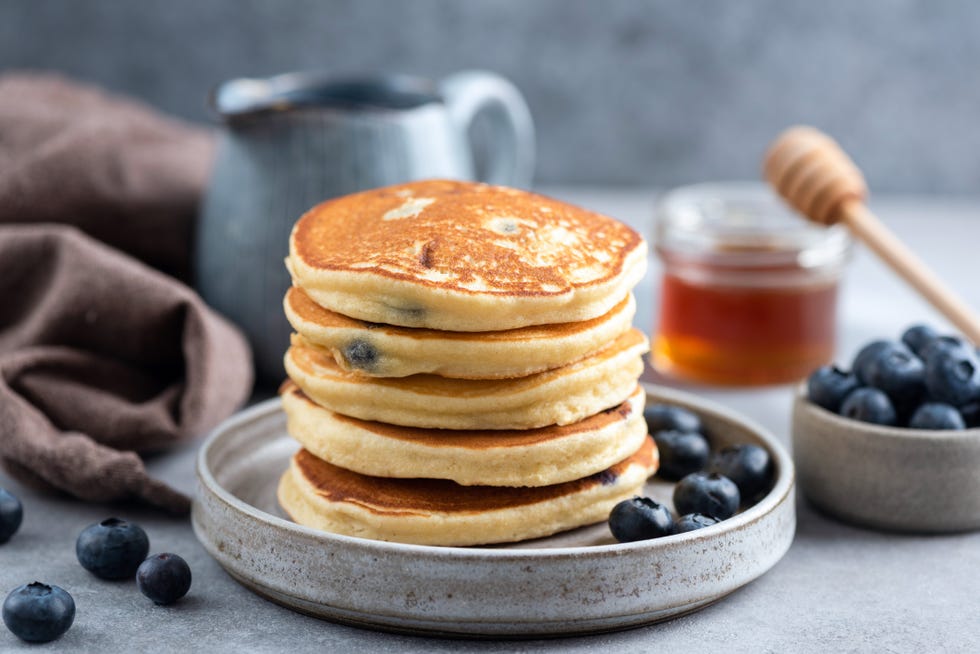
point(887, 477)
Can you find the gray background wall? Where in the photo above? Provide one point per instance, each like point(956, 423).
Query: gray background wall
point(652, 92)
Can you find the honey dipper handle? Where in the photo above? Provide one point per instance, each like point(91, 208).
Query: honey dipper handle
point(870, 231)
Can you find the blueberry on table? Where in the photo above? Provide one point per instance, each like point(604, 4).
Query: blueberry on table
point(869, 405)
point(164, 578)
point(864, 357)
point(640, 518)
point(899, 373)
point(936, 415)
point(693, 521)
point(749, 466)
point(11, 514)
point(829, 385)
point(112, 549)
point(681, 453)
point(953, 376)
point(665, 417)
point(917, 337)
point(38, 613)
point(708, 493)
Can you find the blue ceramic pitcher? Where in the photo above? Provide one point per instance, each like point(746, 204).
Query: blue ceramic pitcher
point(295, 140)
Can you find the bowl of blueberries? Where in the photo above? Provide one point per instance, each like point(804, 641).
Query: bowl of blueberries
point(892, 441)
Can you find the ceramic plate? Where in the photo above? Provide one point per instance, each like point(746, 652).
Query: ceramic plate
point(580, 581)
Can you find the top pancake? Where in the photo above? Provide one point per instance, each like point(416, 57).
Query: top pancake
point(462, 256)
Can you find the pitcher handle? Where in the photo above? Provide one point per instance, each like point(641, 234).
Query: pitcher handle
point(470, 92)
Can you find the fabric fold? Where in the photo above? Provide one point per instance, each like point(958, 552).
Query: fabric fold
point(103, 358)
point(111, 166)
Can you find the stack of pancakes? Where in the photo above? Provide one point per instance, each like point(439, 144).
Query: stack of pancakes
point(464, 369)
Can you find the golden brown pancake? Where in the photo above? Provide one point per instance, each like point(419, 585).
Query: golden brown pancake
point(462, 256)
point(560, 396)
point(530, 457)
point(391, 351)
point(439, 512)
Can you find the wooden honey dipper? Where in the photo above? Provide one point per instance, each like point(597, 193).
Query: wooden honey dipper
point(814, 175)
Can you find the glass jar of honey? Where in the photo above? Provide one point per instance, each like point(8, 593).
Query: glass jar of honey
point(749, 288)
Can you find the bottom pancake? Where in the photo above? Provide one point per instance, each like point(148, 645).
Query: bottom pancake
point(440, 512)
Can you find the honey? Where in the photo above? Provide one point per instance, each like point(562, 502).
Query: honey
point(749, 291)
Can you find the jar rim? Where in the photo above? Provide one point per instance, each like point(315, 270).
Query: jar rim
point(743, 225)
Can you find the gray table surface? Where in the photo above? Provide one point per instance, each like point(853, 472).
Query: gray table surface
point(838, 589)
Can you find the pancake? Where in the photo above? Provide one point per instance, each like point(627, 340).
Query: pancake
point(530, 457)
point(560, 396)
point(462, 256)
point(438, 512)
point(391, 351)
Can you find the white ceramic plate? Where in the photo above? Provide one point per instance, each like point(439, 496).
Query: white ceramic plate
point(581, 581)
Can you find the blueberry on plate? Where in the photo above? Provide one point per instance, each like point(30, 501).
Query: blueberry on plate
point(681, 453)
point(11, 514)
point(749, 466)
point(869, 405)
point(708, 493)
point(665, 417)
point(38, 613)
point(953, 376)
point(112, 549)
point(917, 337)
point(640, 518)
point(899, 373)
point(693, 521)
point(936, 415)
point(829, 385)
point(164, 578)
point(971, 414)
point(864, 357)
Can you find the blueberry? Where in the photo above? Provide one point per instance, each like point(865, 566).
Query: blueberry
point(749, 466)
point(112, 549)
point(917, 337)
point(936, 415)
point(942, 344)
point(681, 453)
point(640, 518)
point(869, 405)
point(899, 373)
point(361, 355)
point(829, 385)
point(953, 376)
point(38, 613)
point(164, 578)
point(971, 414)
point(693, 521)
point(664, 417)
point(865, 356)
point(11, 514)
point(708, 493)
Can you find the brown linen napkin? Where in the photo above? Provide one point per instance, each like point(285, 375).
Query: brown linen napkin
point(114, 168)
point(102, 357)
